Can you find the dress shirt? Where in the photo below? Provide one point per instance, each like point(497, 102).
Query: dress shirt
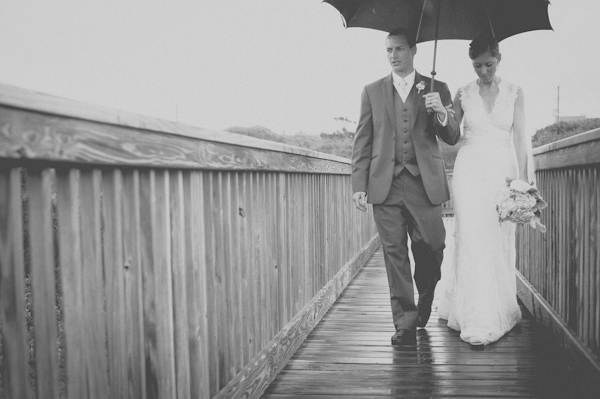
point(403, 85)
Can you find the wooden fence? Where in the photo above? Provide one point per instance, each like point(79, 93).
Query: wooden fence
point(561, 268)
point(142, 258)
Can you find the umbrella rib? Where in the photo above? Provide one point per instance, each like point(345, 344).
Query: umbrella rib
point(420, 21)
point(489, 19)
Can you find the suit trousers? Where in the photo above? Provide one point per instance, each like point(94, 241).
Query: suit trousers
point(408, 211)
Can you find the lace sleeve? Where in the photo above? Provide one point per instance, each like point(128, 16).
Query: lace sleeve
point(463, 93)
point(513, 92)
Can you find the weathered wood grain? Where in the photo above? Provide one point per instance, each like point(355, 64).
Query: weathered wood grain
point(16, 98)
point(180, 295)
point(562, 265)
point(92, 266)
point(31, 135)
point(255, 377)
point(174, 269)
point(71, 255)
point(12, 286)
point(579, 150)
point(42, 259)
point(349, 355)
point(116, 301)
point(133, 285)
point(197, 295)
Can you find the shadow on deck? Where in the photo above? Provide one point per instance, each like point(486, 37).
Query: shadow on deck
point(349, 355)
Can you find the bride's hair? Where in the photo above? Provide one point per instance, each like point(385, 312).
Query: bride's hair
point(484, 43)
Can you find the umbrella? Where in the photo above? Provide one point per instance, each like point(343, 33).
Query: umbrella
point(446, 19)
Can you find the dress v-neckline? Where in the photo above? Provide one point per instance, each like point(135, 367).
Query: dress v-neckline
point(483, 102)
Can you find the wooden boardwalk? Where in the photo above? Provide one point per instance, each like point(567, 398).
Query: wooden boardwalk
point(348, 355)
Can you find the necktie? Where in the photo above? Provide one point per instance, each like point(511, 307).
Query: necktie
point(403, 89)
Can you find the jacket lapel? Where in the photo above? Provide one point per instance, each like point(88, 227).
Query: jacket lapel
point(388, 95)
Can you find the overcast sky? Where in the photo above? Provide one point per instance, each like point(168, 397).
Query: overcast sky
point(287, 65)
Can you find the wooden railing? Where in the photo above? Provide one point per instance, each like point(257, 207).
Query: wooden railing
point(141, 258)
point(562, 267)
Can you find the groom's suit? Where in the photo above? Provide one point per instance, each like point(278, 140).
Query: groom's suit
point(397, 162)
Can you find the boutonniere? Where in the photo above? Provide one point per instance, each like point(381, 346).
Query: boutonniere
point(420, 86)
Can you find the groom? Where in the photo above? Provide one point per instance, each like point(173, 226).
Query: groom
point(397, 167)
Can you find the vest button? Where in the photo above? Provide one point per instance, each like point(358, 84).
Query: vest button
point(406, 120)
point(404, 110)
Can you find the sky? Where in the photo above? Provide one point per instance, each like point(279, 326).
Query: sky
point(290, 66)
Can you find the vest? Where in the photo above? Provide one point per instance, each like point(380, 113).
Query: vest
point(405, 148)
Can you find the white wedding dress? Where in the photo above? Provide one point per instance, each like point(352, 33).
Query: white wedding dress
point(478, 276)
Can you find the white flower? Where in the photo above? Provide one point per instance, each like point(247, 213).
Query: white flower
point(420, 86)
point(520, 186)
point(519, 202)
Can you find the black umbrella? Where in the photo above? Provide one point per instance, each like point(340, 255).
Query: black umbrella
point(446, 19)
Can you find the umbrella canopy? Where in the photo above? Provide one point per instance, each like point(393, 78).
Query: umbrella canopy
point(446, 19)
point(459, 19)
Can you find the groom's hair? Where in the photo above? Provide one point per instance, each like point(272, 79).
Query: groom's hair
point(410, 37)
point(484, 43)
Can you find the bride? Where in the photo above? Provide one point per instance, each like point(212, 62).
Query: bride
point(480, 287)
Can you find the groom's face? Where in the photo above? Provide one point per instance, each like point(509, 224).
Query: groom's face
point(400, 54)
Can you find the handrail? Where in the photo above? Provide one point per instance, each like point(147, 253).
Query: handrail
point(18, 98)
point(561, 269)
point(149, 259)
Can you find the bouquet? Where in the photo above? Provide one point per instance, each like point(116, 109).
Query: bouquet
point(520, 202)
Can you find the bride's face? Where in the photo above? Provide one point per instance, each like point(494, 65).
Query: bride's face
point(485, 66)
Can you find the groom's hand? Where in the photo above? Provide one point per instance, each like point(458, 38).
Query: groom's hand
point(360, 200)
point(434, 103)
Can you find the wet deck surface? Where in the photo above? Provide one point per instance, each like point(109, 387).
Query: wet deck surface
point(348, 355)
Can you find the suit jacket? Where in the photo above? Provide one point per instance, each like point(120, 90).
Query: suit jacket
point(373, 154)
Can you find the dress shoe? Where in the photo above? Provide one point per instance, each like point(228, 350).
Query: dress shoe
point(404, 337)
point(424, 313)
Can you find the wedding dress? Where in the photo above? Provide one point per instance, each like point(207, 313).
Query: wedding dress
point(478, 279)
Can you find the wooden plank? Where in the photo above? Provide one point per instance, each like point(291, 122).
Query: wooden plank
point(568, 339)
point(163, 273)
point(213, 291)
point(581, 150)
point(180, 277)
point(93, 312)
point(245, 292)
point(349, 355)
point(259, 372)
point(42, 258)
point(220, 314)
point(596, 280)
point(586, 137)
point(147, 183)
point(196, 285)
point(233, 281)
point(12, 287)
point(40, 136)
point(133, 285)
point(283, 256)
point(116, 301)
point(71, 260)
point(17, 98)
point(272, 265)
